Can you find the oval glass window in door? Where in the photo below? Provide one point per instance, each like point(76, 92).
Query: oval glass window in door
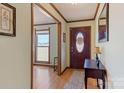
point(79, 42)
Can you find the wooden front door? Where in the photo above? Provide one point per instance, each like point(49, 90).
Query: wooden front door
point(80, 46)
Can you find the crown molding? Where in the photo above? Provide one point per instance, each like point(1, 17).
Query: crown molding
point(81, 20)
point(97, 8)
point(58, 11)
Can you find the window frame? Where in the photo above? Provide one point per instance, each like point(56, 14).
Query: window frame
point(36, 45)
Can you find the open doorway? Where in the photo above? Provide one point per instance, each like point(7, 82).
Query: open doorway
point(46, 43)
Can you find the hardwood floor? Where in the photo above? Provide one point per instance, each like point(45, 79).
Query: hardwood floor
point(46, 78)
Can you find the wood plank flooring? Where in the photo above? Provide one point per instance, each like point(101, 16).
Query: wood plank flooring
point(46, 78)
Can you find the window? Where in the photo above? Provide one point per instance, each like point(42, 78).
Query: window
point(42, 46)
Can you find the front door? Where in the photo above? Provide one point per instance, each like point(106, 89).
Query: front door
point(80, 46)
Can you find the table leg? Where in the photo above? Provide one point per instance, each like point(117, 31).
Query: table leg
point(103, 82)
point(98, 83)
point(85, 82)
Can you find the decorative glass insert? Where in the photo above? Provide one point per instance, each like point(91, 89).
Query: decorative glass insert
point(80, 42)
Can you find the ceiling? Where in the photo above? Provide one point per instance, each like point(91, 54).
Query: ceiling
point(70, 12)
point(41, 17)
point(76, 11)
point(103, 13)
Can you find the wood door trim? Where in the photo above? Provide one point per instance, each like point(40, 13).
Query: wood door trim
point(71, 37)
point(59, 48)
point(43, 29)
point(32, 48)
point(32, 41)
point(44, 24)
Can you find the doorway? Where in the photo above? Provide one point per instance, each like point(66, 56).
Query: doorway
point(41, 41)
point(80, 46)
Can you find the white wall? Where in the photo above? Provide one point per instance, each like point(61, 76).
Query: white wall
point(79, 24)
point(15, 52)
point(49, 8)
point(113, 51)
point(53, 40)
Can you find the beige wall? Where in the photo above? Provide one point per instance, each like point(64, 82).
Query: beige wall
point(79, 24)
point(15, 52)
point(49, 8)
point(53, 40)
point(113, 51)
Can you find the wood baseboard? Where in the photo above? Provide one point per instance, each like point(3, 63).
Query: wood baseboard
point(64, 70)
point(37, 64)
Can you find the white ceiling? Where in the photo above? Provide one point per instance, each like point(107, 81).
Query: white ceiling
point(77, 11)
point(41, 17)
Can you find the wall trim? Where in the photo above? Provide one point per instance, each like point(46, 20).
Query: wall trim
point(32, 57)
point(43, 30)
point(64, 70)
point(44, 24)
point(80, 20)
point(48, 65)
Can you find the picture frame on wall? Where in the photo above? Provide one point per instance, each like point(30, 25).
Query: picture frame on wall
point(7, 20)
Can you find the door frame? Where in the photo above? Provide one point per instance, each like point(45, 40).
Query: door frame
point(70, 41)
point(32, 39)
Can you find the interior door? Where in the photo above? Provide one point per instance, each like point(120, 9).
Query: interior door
point(80, 46)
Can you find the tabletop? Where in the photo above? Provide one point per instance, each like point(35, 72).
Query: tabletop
point(92, 64)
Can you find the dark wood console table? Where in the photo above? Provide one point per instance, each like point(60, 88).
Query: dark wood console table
point(93, 71)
